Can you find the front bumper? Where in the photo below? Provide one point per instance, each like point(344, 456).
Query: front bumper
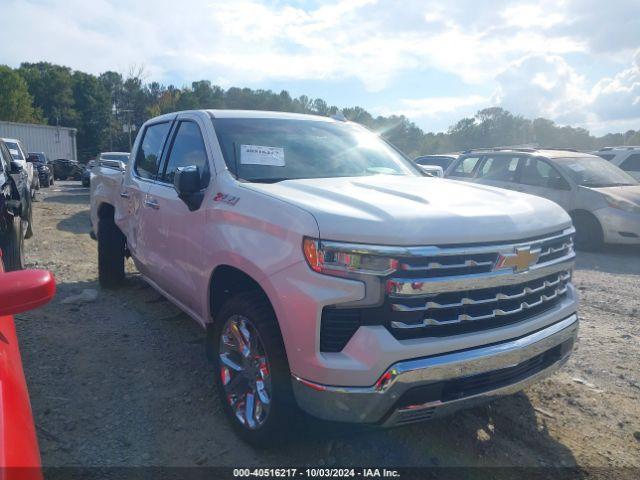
point(434, 386)
point(619, 226)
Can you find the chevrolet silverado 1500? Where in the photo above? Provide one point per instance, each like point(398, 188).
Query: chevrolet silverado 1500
point(331, 274)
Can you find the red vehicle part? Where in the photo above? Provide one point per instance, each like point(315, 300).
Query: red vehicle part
point(19, 454)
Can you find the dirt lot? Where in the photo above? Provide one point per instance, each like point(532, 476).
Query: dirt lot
point(123, 380)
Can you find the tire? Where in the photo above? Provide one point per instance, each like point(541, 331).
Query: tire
point(51, 181)
point(282, 408)
point(111, 254)
point(589, 234)
point(12, 245)
point(29, 215)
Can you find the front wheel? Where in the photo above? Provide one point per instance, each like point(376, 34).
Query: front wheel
point(111, 254)
point(12, 245)
point(251, 368)
point(589, 234)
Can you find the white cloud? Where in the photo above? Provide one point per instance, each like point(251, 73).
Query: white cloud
point(526, 50)
point(547, 86)
point(619, 97)
point(433, 106)
point(542, 85)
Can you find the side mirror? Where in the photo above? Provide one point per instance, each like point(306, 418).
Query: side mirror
point(187, 183)
point(16, 167)
point(435, 170)
point(25, 290)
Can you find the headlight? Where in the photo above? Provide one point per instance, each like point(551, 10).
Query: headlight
point(622, 204)
point(342, 259)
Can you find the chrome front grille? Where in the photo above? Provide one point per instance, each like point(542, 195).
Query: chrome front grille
point(438, 291)
point(484, 304)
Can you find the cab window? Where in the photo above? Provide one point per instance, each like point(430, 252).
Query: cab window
point(465, 167)
point(187, 149)
point(499, 168)
point(150, 150)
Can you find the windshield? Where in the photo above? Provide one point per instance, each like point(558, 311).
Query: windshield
point(270, 150)
point(122, 157)
point(15, 150)
point(594, 172)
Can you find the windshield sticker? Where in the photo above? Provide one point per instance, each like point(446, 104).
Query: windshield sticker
point(576, 167)
point(260, 155)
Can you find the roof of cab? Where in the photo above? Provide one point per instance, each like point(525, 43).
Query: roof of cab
point(267, 114)
point(542, 152)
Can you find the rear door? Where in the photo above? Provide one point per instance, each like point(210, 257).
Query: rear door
point(464, 168)
point(499, 171)
point(177, 241)
point(133, 190)
point(631, 165)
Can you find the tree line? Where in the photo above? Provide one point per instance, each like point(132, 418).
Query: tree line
point(106, 107)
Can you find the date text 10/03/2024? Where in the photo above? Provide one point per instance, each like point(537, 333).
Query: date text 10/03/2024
point(316, 472)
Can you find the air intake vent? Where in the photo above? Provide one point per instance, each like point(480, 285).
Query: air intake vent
point(337, 328)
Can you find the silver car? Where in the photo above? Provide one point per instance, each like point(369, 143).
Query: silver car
point(602, 199)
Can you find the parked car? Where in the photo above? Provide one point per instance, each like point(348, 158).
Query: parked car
point(19, 452)
point(603, 200)
point(64, 169)
point(627, 158)
point(442, 161)
point(19, 153)
point(115, 162)
point(41, 163)
point(86, 174)
point(331, 274)
point(15, 209)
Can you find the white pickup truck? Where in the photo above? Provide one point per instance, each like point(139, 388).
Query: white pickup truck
point(331, 274)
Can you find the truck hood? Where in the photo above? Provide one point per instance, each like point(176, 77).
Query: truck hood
point(402, 210)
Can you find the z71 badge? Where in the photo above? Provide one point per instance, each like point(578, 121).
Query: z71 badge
point(226, 198)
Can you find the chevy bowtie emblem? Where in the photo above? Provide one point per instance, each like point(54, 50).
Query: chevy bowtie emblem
point(519, 261)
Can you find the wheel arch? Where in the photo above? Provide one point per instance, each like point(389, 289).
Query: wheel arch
point(227, 280)
point(105, 210)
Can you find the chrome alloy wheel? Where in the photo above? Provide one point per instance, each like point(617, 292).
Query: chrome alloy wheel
point(245, 372)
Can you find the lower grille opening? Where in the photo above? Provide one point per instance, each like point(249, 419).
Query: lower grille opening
point(464, 387)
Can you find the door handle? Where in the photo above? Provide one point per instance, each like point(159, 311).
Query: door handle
point(152, 203)
point(124, 194)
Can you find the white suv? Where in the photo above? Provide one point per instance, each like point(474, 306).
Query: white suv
point(627, 158)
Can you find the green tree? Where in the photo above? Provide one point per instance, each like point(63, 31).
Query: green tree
point(52, 89)
point(16, 104)
point(93, 104)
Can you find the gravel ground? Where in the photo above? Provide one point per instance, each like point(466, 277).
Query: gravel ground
point(120, 379)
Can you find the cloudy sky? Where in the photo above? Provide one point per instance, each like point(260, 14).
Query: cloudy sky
point(574, 61)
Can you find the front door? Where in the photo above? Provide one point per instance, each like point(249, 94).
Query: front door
point(539, 177)
point(134, 218)
point(177, 243)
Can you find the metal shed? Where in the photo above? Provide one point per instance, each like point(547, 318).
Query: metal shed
point(55, 142)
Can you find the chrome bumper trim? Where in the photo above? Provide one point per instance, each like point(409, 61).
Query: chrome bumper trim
point(371, 404)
